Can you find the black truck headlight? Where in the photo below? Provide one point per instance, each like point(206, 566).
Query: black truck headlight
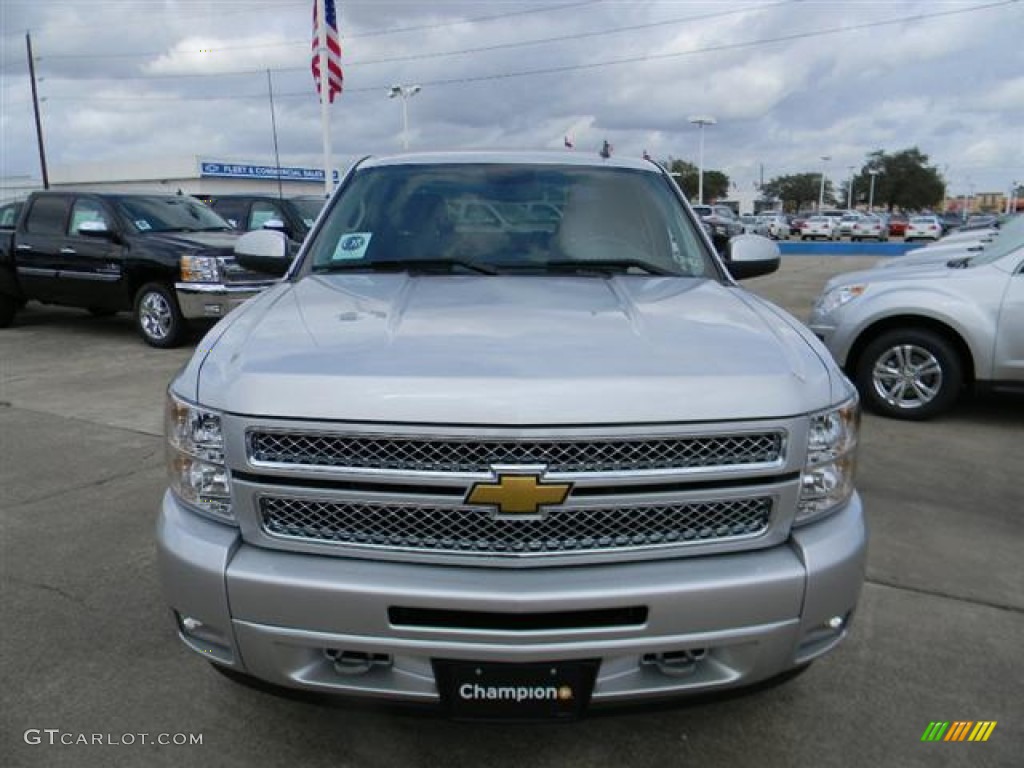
point(826, 482)
point(199, 269)
point(195, 459)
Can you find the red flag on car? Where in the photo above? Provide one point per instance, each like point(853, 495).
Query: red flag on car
point(334, 74)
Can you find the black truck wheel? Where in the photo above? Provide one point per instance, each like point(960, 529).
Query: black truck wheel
point(8, 309)
point(158, 317)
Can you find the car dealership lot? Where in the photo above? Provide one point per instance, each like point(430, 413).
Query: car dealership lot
point(88, 647)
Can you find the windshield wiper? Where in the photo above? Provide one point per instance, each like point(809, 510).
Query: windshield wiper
point(407, 265)
point(607, 266)
point(961, 263)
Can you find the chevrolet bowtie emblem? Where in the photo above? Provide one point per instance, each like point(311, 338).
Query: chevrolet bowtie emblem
point(518, 494)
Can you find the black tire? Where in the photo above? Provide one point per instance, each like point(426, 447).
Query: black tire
point(8, 309)
point(101, 312)
point(158, 317)
point(909, 374)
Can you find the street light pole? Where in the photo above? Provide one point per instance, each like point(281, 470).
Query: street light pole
point(821, 191)
point(849, 189)
point(405, 92)
point(871, 194)
point(701, 121)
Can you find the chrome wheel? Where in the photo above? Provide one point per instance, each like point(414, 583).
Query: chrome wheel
point(156, 316)
point(907, 377)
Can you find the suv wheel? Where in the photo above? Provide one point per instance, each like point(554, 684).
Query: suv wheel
point(909, 374)
point(158, 317)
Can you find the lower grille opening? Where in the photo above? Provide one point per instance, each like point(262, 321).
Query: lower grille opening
point(633, 616)
point(356, 662)
point(676, 663)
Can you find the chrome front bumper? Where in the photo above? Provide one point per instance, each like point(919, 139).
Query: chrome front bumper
point(213, 300)
point(745, 616)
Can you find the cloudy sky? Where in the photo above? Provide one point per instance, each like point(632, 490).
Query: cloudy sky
point(788, 82)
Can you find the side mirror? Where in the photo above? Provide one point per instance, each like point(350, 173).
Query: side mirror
point(263, 250)
point(751, 256)
point(95, 228)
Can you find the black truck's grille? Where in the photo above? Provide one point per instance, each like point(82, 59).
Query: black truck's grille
point(476, 531)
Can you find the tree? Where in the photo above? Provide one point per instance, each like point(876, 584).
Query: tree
point(904, 180)
point(716, 183)
point(797, 191)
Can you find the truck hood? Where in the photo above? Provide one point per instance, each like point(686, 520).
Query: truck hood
point(222, 243)
point(512, 350)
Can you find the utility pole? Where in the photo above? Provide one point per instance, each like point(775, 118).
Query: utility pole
point(273, 125)
point(35, 106)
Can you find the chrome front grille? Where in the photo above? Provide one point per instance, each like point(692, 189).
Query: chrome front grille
point(426, 454)
point(465, 530)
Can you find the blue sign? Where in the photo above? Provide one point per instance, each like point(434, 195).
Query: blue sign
point(271, 172)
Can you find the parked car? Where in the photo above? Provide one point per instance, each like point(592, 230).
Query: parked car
point(914, 336)
point(779, 225)
point(923, 228)
point(292, 215)
point(847, 222)
point(898, 224)
point(723, 223)
point(870, 228)
point(753, 225)
point(820, 227)
point(434, 467)
point(9, 214)
point(796, 223)
point(166, 259)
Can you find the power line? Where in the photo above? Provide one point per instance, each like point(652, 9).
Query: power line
point(593, 65)
point(355, 63)
point(344, 39)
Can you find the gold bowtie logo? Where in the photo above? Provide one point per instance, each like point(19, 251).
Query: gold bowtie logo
point(518, 494)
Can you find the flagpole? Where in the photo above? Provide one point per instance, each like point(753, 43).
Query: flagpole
point(325, 91)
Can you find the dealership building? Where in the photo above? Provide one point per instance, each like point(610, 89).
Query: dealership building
point(194, 175)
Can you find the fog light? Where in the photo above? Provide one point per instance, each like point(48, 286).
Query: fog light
point(836, 622)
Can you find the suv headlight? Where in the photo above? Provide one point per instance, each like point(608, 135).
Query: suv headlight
point(826, 482)
point(199, 269)
point(195, 459)
point(832, 300)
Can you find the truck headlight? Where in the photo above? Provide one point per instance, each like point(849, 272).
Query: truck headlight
point(826, 482)
point(195, 459)
point(832, 300)
point(199, 269)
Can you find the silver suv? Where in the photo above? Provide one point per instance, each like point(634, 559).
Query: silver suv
point(913, 336)
point(511, 470)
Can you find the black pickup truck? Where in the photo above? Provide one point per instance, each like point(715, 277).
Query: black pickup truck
point(168, 259)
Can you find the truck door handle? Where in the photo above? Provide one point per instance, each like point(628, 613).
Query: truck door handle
point(68, 251)
point(23, 247)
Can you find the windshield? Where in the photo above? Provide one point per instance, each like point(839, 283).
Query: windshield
point(521, 218)
point(170, 214)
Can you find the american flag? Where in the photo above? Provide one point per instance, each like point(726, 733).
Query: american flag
point(334, 76)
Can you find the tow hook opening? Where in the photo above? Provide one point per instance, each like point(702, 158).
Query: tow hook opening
point(356, 662)
point(676, 663)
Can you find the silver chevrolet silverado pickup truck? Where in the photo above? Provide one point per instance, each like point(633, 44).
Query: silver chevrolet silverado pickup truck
point(509, 439)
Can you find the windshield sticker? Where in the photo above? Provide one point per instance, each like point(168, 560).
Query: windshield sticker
point(142, 224)
point(352, 247)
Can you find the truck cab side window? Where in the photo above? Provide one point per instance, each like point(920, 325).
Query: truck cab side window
point(84, 211)
point(262, 213)
point(47, 216)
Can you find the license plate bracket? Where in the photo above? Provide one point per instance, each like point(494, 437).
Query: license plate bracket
point(557, 690)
